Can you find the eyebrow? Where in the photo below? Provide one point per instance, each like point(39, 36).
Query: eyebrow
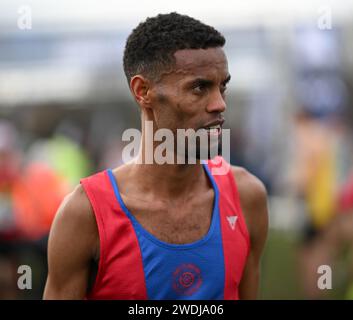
point(227, 79)
point(207, 82)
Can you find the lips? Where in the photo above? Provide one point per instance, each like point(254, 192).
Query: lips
point(214, 128)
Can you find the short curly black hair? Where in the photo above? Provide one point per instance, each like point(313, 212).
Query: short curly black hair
point(151, 46)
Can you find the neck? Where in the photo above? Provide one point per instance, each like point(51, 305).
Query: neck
point(174, 179)
point(169, 180)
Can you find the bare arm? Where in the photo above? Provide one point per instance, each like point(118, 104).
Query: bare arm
point(253, 198)
point(72, 245)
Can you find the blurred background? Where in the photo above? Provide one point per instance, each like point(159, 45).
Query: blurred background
point(64, 103)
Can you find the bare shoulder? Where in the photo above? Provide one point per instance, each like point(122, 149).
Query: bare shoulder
point(250, 187)
point(253, 199)
point(75, 219)
point(72, 246)
point(75, 207)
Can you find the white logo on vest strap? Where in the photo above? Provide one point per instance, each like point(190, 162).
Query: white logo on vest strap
point(232, 221)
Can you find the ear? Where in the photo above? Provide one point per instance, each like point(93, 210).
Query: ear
point(140, 87)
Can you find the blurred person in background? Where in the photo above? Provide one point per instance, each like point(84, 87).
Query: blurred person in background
point(32, 186)
point(29, 193)
point(9, 166)
point(10, 159)
point(334, 244)
point(314, 175)
point(63, 153)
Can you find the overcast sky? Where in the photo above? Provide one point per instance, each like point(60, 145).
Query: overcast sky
point(125, 14)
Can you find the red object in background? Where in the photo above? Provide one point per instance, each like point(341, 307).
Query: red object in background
point(37, 194)
point(346, 196)
point(8, 171)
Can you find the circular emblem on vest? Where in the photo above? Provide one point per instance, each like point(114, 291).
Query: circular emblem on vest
point(187, 279)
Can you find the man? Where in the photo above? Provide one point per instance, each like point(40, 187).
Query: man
point(171, 231)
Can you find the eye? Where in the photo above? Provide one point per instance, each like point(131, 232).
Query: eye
point(223, 88)
point(199, 88)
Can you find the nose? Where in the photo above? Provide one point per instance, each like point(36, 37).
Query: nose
point(217, 102)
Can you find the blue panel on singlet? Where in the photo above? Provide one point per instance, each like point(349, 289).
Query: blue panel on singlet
point(187, 271)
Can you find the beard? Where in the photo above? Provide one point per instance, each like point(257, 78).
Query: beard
point(205, 147)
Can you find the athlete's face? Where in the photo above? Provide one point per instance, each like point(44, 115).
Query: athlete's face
point(192, 94)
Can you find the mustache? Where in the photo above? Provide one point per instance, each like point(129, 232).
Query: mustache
point(214, 122)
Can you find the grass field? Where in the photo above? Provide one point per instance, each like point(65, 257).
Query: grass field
point(280, 274)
